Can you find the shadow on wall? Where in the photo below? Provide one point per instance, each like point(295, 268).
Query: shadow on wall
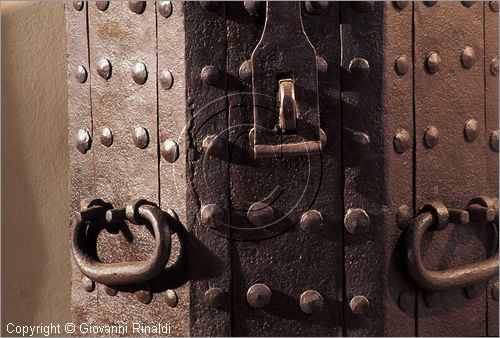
point(35, 236)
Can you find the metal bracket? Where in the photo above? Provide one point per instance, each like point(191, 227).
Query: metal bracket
point(284, 64)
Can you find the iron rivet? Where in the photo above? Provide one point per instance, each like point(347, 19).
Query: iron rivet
point(311, 302)
point(400, 4)
point(171, 297)
point(402, 64)
point(494, 6)
point(144, 296)
point(245, 71)
point(88, 284)
point(311, 221)
point(215, 297)
point(356, 221)
point(359, 305)
point(359, 68)
point(472, 291)
point(494, 290)
point(316, 7)
point(83, 141)
point(322, 66)
point(102, 5)
point(468, 57)
point(212, 216)
point(214, 145)
point(432, 299)
point(169, 150)
point(210, 75)
point(494, 140)
point(430, 3)
point(260, 214)
point(403, 216)
point(106, 137)
point(140, 137)
point(431, 136)
point(104, 68)
point(359, 142)
point(494, 66)
point(362, 6)
point(258, 295)
point(432, 62)
point(252, 7)
point(78, 5)
point(165, 8)
point(139, 73)
point(471, 130)
point(401, 141)
point(81, 74)
point(210, 6)
point(166, 79)
point(137, 7)
point(110, 291)
point(468, 3)
point(406, 300)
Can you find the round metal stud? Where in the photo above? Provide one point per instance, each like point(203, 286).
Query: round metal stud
point(215, 297)
point(140, 137)
point(406, 300)
point(110, 291)
point(81, 74)
point(494, 66)
point(400, 4)
point(212, 216)
point(88, 284)
point(322, 66)
point(468, 3)
point(359, 305)
point(214, 146)
point(169, 150)
point(473, 291)
point(494, 6)
point(260, 214)
point(359, 142)
point(494, 290)
point(144, 296)
point(166, 79)
point(137, 7)
point(494, 140)
point(356, 221)
point(401, 141)
point(359, 68)
point(171, 298)
point(471, 130)
point(106, 137)
point(362, 6)
point(78, 5)
point(210, 75)
point(104, 68)
point(431, 137)
point(259, 295)
point(83, 141)
point(403, 216)
point(311, 302)
point(430, 3)
point(468, 57)
point(316, 7)
point(312, 221)
point(433, 62)
point(165, 8)
point(402, 65)
point(252, 7)
point(245, 71)
point(102, 5)
point(139, 73)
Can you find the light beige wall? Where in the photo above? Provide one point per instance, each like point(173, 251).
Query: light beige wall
point(35, 236)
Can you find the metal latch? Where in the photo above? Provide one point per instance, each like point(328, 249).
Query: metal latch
point(285, 78)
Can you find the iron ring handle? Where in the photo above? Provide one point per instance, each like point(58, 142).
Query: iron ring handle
point(125, 272)
point(452, 278)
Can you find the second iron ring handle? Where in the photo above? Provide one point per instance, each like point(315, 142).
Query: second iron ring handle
point(122, 273)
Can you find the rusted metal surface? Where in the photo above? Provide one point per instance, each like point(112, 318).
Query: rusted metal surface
point(377, 122)
point(447, 95)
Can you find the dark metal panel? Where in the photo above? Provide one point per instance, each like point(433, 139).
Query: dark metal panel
point(491, 108)
point(450, 166)
point(285, 257)
point(123, 36)
point(209, 260)
point(377, 122)
point(81, 182)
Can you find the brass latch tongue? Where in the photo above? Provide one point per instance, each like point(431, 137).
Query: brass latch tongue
point(288, 106)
